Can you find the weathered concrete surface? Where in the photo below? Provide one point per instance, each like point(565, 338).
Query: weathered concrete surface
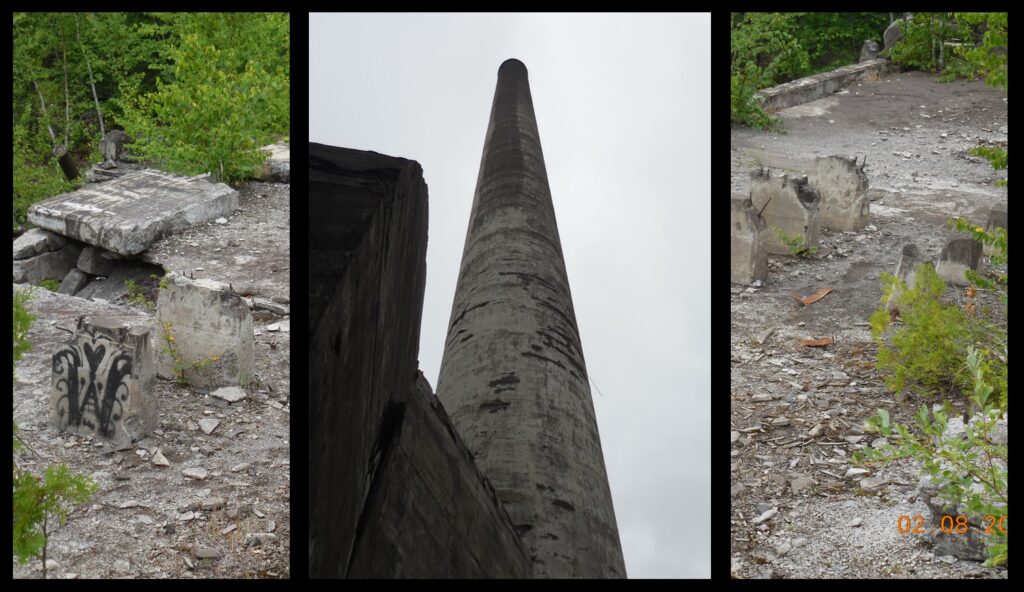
point(906, 272)
point(748, 257)
point(368, 237)
point(842, 187)
point(430, 512)
point(996, 219)
point(212, 330)
point(112, 288)
point(959, 255)
point(815, 87)
point(278, 166)
point(128, 214)
point(513, 377)
point(73, 282)
point(103, 380)
point(37, 241)
point(870, 51)
point(786, 202)
point(52, 265)
point(893, 33)
point(92, 262)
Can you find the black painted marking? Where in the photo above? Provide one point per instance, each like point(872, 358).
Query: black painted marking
point(463, 315)
point(93, 382)
point(507, 379)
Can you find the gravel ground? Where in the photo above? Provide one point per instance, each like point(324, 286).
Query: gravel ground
point(798, 412)
point(148, 521)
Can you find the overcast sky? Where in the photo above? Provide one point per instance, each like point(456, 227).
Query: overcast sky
point(623, 109)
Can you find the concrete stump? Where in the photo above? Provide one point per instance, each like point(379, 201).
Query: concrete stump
point(996, 219)
point(210, 330)
point(870, 50)
point(786, 202)
point(959, 255)
point(842, 187)
point(906, 272)
point(747, 254)
point(103, 381)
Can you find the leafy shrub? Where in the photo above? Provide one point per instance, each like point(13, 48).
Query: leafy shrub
point(796, 244)
point(22, 323)
point(764, 52)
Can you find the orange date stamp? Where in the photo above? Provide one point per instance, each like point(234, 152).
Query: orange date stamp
point(950, 525)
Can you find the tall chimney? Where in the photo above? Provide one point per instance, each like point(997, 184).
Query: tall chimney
point(513, 378)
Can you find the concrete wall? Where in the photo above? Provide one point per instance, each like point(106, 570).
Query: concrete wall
point(513, 377)
point(786, 202)
point(804, 90)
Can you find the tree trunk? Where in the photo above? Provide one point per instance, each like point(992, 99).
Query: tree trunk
point(44, 546)
point(67, 163)
point(46, 115)
point(92, 81)
point(67, 97)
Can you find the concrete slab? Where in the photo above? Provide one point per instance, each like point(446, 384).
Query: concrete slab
point(786, 202)
point(128, 214)
point(814, 87)
point(843, 187)
point(52, 265)
point(37, 241)
point(959, 255)
point(212, 330)
point(748, 256)
point(103, 380)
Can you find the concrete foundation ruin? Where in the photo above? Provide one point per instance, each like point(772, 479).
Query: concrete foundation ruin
point(788, 203)
point(748, 257)
point(906, 272)
point(959, 255)
point(842, 187)
point(210, 329)
point(103, 380)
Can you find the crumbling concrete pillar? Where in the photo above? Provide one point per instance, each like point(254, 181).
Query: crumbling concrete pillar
point(103, 380)
point(747, 254)
point(906, 272)
point(842, 187)
point(788, 203)
point(959, 255)
point(204, 332)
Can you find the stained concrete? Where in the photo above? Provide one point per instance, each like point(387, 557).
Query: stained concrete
point(786, 202)
point(996, 219)
point(212, 330)
point(748, 257)
point(36, 241)
point(842, 186)
point(906, 272)
point(959, 255)
point(128, 214)
point(810, 88)
point(103, 380)
point(513, 377)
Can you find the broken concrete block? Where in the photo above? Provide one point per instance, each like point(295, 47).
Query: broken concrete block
point(212, 332)
point(34, 242)
point(74, 281)
point(90, 261)
point(113, 287)
point(748, 256)
point(53, 265)
point(959, 255)
point(870, 50)
point(788, 203)
point(103, 380)
point(276, 168)
point(128, 214)
point(842, 187)
point(996, 219)
point(906, 272)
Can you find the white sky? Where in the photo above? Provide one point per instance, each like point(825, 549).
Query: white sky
point(623, 108)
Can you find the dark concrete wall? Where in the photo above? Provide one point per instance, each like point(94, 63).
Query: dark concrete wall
point(393, 491)
point(513, 377)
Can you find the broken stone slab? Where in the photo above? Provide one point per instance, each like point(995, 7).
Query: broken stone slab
point(870, 50)
point(112, 287)
point(103, 380)
point(748, 257)
point(276, 168)
point(49, 265)
point(786, 202)
point(970, 545)
point(959, 255)
point(212, 330)
point(37, 241)
point(842, 187)
point(91, 261)
point(128, 214)
point(73, 282)
point(906, 272)
point(108, 171)
point(893, 33)
point(266, 304)
point(996, 219)
point(231, 394)
point(112, 145)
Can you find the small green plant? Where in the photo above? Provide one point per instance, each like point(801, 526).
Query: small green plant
point(49, 284)
point(996, 156)
point(135, 295)
point(956, 462)
point(181, 365)
point(796, 243)
point(40, 503)
point(22, 323)
point(162, 280)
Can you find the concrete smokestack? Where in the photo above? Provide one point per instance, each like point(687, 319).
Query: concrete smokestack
point(513, 377)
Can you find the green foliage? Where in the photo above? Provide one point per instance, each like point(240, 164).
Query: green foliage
point(135, 295)
point(38, 503)
point(955, 463)
point(998, 241)
point(22, 322)
point(181, 364)
point(226, 95)
point(49, 284)
point(996, 156)
point(796, 243)
point(834, 39)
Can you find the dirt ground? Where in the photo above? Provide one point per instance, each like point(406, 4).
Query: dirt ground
point(798, 412)
point(148, 521)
